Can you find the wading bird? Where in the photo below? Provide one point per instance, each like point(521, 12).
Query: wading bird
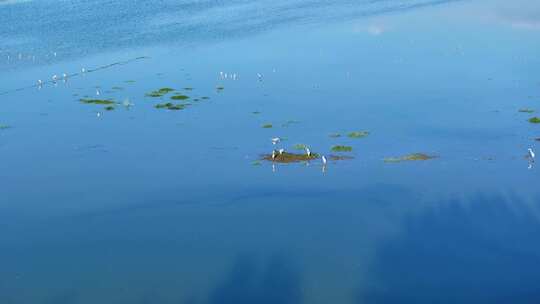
point(276, 140)
point(308, 152)
point(281, 151)
point(323, 160)
point(531, 154)
point(273, 154)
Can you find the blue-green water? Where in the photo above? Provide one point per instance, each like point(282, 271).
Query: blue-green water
point(146, 205)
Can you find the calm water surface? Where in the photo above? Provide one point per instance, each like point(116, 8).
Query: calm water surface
point(147, 205)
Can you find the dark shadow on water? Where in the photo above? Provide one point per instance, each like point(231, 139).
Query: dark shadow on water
point(275, 280)
point(485, 250)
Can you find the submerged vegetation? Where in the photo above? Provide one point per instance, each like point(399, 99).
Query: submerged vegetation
point(97, 101)
point(409, 157)
point(526, 110)
point(358, 134)
point(267, 126)
point(341, 148)
point(4, 127)
point(286, 157)
point(109, 108)
point(534, 120)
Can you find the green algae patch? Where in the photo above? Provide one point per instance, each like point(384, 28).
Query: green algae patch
point(340, 157)
point(534, 120)
point(299, 147)
point(97, 101)
point(334, 135)
point(358, 134)
point(160, 93)
point(171, 106)
point(342, 149)
point(267, 126)
point(409, 157)
point(526, 110)
point(4, 127)
point(179, 97)
point(286, 157)
point(117, 88)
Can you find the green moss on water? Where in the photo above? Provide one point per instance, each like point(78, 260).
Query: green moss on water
point(290, 157)
point(526, 110)
point(109, 108)
point(299, 147)
point(179, 97)
point(171, 106)
point(409, 157)
point(267, 126)
point(358, 134)
point(160, 93)
point(534, 120)
point(342, 148)
point(97, 101)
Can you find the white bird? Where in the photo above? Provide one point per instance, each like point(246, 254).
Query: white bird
point(64, 75)
point(98, 114)
point(259, 76)
point(323, 160)
point(276, 140)
point(97, 92)
point(39, 82)
point(531, 154)
point(54, 78)
point(273, 154)
point(127, 103)
point(308, 152)
point(281, 151)
point(83, 70)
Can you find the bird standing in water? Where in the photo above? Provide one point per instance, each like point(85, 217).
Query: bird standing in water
point(531, 154)
point(281, 151)
point(308, 152)
point(323, 160)
point(273, 154)
point(276, 140)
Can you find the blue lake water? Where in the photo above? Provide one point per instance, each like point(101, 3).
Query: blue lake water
point(147, 205)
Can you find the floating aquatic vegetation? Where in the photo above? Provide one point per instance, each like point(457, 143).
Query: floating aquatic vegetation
point(334, 135)
point(340, 157)
point(179, 97)
point(160, 92)
point(117, 88)
point(534, 120)
point(129, 81)
point(97, 101)
point(299, 147)
point(267, 126)
point(4, 127)
point(526, 110)
point(256, 163)
point(409, 157)
point(358, 134)
point(109, 108)
point(171, 106)
point(342, 148)
point(286, 157)
point(290, 122)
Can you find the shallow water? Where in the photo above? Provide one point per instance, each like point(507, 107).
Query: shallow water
point(147, 205)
